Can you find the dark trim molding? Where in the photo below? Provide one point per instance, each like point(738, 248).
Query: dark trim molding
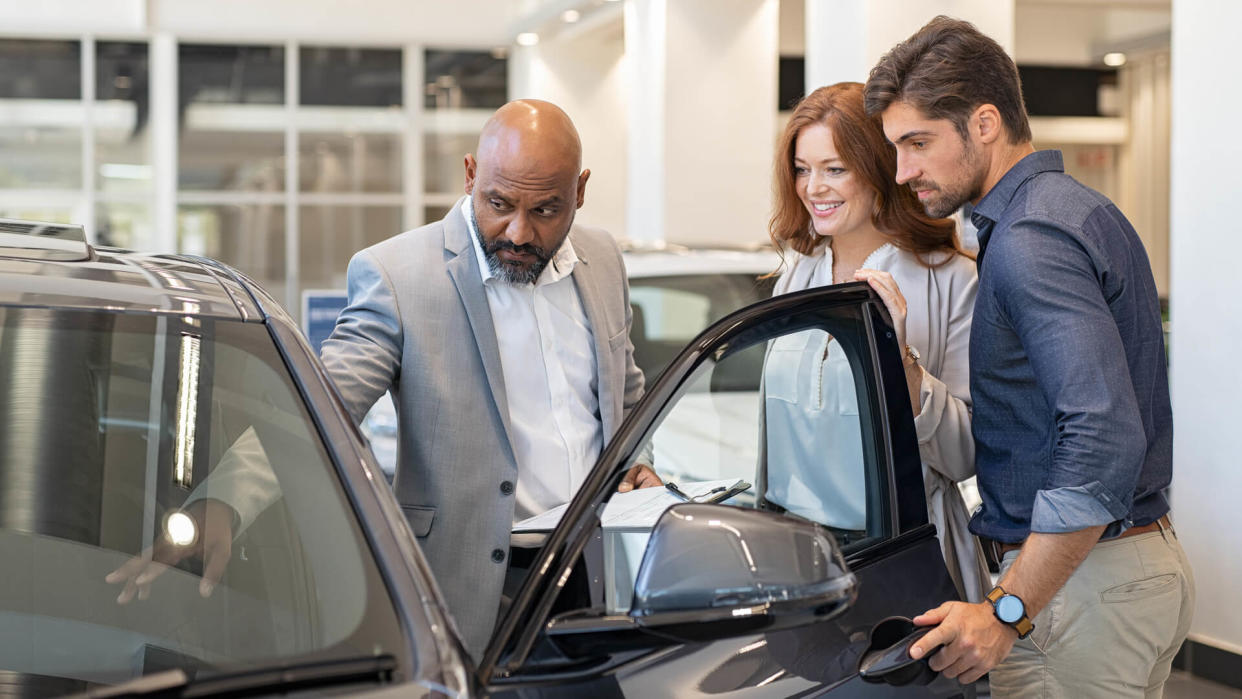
point(1210, 663)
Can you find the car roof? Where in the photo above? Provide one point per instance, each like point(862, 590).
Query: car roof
point(56, 268)
point(675, 261)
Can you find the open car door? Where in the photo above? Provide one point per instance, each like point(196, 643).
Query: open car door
point(795, 411)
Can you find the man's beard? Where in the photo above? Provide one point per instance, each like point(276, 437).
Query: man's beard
point(949, 197)
point(511, 272)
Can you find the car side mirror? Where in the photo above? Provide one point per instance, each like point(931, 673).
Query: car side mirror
point(715, 571)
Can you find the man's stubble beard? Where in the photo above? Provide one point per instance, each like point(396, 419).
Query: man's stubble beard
point(951, 197)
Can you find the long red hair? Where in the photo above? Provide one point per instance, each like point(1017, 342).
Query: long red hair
point(869, 156)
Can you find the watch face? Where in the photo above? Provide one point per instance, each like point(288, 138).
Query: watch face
point(1009, 609)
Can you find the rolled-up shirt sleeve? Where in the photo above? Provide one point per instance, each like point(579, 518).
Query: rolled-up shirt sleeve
point(1056, 301)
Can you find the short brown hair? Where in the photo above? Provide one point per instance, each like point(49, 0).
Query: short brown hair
point(946, 70)
point(860, 142)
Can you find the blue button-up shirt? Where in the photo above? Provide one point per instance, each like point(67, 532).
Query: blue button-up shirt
point(1072, 419)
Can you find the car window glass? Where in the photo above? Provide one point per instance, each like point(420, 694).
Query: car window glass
point(669, 311)
point(116, 423)
point(785, 415)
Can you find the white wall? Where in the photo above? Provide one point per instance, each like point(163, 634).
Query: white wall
point(1206, 245)
point(720, 116)
point(845, 38)
point(1057, 34)
point(583, 73)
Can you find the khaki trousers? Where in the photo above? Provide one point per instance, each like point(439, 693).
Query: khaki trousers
point(1114, 628)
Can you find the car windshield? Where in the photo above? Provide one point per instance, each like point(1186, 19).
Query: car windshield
point(115, 426)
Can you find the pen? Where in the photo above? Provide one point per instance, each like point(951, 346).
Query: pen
point(672, 488)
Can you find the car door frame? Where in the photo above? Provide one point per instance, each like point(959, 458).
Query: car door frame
point(892, 427)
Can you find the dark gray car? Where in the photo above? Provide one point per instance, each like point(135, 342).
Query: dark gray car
point(126, 377)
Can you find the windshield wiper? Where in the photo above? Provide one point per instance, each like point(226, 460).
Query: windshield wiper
point(259, 681)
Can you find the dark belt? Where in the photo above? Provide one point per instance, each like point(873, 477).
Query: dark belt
point(1002, 548)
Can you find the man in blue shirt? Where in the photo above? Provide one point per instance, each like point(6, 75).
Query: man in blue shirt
point(1072, 420)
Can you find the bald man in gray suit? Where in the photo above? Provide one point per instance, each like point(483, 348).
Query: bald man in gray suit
point(503, 333)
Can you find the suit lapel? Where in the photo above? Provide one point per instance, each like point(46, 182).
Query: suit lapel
point(464, 270)
point(592, 304)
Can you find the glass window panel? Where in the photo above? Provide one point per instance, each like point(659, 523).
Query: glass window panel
point(783, 410)
point(250, 237)
point(465, 79)
point(41, 133)
point(122, 117)
point(670, 310)
point(330, 235)
point(444, 169)
point(226, 74)
point(37, 213)
point(232, 126)
point(343, 162)
point(40, 155)
point(38, 69)
point(232, 160)
point(351, 77)
point(124, 225)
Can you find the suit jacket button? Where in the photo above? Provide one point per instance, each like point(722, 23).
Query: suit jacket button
point(498, 555)
point(506, 487)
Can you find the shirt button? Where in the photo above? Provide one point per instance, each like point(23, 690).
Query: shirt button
point(506, 487)
point(498, 555)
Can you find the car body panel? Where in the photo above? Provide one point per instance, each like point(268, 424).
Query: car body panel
point(119, 281)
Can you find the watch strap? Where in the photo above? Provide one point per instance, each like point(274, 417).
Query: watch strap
point(1024, 626)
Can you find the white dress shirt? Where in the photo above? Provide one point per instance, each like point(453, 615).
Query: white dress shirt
point(547, 356)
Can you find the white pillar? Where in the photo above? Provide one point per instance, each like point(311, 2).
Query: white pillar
point(845, 38)
point(702, 104)
point(646, 40)
point(1205, 246)
point(164, 123)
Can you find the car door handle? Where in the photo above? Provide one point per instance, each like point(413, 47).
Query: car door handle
point(887, 658)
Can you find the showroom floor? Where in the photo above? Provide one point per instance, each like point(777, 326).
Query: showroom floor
point(1184, 686)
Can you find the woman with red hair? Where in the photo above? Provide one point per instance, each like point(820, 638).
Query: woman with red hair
point(840, 216)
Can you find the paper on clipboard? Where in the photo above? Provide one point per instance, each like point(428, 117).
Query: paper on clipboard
point(637, 509)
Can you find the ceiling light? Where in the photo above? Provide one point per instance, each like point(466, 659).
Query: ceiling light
point(1114, 60)
point(527, 39)
point(570, 16)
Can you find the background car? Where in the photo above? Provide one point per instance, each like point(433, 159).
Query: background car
point(129, 378)
point(675, 292)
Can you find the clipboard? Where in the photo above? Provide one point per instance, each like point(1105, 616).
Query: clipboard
point(717, 494)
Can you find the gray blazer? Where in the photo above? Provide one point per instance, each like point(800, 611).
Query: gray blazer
point(418, 325)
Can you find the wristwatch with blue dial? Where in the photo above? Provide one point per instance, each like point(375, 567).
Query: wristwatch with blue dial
point(1010, 610)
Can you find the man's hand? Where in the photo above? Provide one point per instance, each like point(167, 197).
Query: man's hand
point(974, 640)
point(641, 476)
point(213, 543)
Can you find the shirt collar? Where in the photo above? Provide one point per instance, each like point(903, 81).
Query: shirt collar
point(994, 203)
point(560, 266)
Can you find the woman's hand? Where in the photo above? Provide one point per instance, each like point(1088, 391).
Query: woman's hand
point(886, 287)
